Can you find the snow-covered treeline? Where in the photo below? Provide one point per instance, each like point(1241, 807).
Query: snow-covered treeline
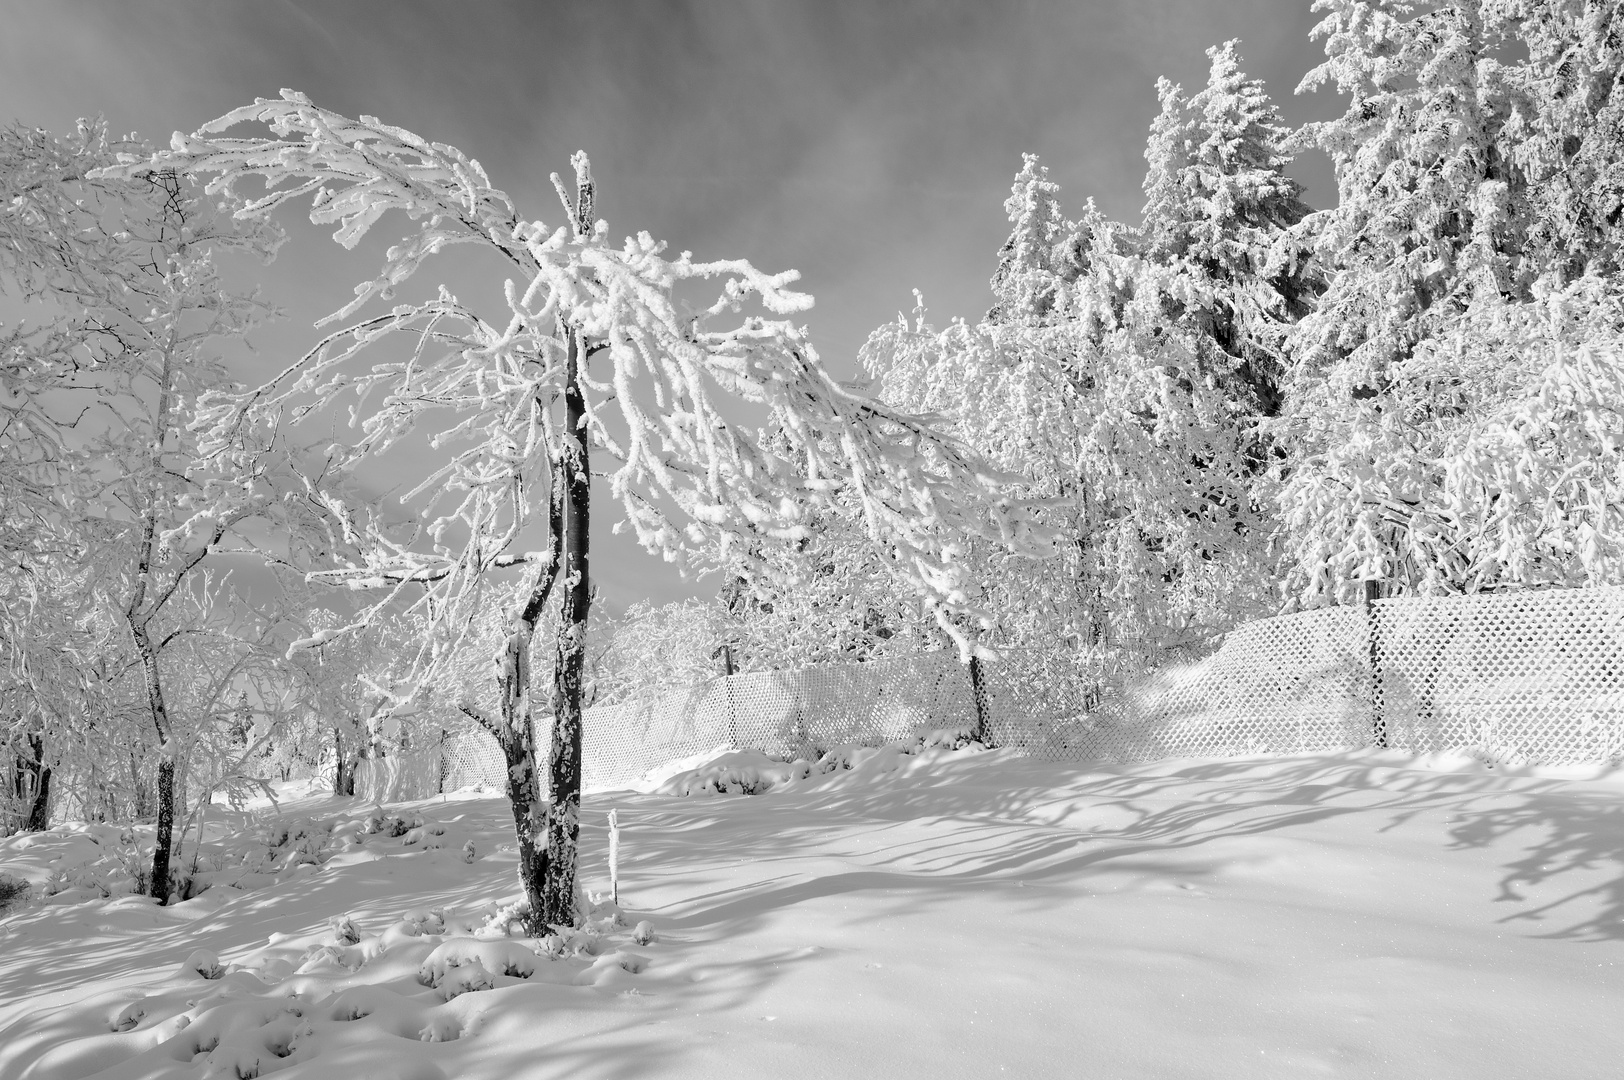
point(1240, 405)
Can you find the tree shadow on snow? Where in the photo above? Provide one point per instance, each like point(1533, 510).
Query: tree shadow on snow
point(931, 836)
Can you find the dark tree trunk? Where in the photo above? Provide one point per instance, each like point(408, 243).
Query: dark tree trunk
point(39, 815)
point(564, 761)
point(529, 816)
point(166, 830)
point(344, 767)
point(514, 728)
point(978, 692)
point(32, 781)
point(163, 843)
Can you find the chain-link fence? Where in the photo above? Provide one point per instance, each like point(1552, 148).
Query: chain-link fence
point(1522, 678)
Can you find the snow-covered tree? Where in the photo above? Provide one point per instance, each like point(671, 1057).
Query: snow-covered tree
point(592, 352)
point(1429, 211)
point(1134, 457)
point(1493, 461)
point(652, 649)
point(1453, 225)
point(1216, 231)
point(1568, 134)
point(132, 311)
point(830, 599)
point(1044, 251)
point(347, 684)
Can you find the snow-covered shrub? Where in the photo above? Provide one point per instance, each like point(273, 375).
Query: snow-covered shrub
point(204, 963)
point(14, 892)
point(490, 957)
point(344, 931)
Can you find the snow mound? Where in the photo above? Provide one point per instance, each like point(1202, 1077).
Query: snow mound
point(752, 772)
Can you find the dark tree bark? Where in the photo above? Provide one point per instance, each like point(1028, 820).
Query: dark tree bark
point(31, 780)
point(564, 761)
point(163, 843)
point(514, 728)
point(978, 692)
point(344, 767)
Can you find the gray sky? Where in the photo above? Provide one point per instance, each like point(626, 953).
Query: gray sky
point(869, 145)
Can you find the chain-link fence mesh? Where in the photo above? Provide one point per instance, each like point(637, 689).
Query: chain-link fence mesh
point(1523, 678)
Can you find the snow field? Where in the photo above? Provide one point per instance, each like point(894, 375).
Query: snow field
point(935, 913)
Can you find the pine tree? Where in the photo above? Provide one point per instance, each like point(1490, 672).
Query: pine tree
point(1218, 216)
point(1431, 211)
point(1569, 134)
point(1042, 254)
point(1453, 228)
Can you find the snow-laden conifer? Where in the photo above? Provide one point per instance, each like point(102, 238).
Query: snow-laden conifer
point(1043, 251)
point(1217, 218)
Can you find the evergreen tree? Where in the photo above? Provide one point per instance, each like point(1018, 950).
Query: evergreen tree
point(1453, 227)
point(1043, 253)
point(1431, 209)
point(1570, 133)
point(1218, 217)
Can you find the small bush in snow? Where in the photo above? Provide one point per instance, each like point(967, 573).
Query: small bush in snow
point(13, 893)
point(344, 931)
point(203, 962)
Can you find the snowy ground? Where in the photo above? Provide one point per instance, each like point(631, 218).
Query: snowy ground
point(963, 914)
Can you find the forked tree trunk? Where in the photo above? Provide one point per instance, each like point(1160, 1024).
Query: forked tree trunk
point(514, 727)
point(564, 761)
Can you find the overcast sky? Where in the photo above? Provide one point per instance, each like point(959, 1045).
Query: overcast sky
point(869, 145)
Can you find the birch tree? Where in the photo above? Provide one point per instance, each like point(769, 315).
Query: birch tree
point(593, 357)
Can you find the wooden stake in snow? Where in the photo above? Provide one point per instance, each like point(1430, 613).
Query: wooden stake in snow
point(614, 856)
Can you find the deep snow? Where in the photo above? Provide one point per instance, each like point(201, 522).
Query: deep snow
point(939, 913)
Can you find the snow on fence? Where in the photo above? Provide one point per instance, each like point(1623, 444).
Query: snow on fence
point(1520, 678)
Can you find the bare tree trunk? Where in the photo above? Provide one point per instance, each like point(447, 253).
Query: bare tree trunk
point(514, 729)
point(978, 692)
point(166, 766)
point(344, 766)
point(564, 762)
point(36, 775)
